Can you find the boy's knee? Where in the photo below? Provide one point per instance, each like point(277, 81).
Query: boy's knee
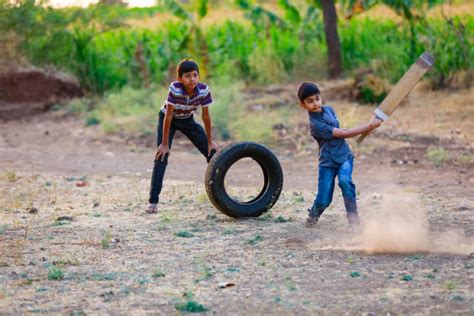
point(345, 183)
point(323, 203)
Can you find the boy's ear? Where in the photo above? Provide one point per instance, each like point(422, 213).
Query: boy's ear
point(301, 104)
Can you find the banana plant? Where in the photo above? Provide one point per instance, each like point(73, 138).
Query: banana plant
point(261, 17)
point(194, 41)
point(264, 18)
point(412, 11)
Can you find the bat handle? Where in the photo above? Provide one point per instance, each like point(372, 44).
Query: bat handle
point(378, 114)
point(361, 138)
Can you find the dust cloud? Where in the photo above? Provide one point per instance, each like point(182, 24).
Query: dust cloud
point(398, 223)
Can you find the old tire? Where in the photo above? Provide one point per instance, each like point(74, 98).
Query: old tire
point(220, 164)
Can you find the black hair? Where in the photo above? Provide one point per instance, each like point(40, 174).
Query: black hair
point(307, 89)
point(186, 65)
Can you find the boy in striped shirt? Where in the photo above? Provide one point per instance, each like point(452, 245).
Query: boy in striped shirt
point(185, 96)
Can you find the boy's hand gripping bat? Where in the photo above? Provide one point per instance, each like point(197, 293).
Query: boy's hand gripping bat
point(402, 88)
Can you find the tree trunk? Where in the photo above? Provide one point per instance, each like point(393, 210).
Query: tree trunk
point(332, 38)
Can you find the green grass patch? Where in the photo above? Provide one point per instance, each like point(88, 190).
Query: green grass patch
point(465, 159)
point(407, 278)
point(254, 240)
point(130, 110)
point(233, 269)
point(205, 272)
point(437, 155)
point(11, 176)
point(191, 306)
point(457, 298)
point(105, 242)
point(184, 234)
point(281, 219)
point(450, 285)
point(158, 273)
point(55, 273)
point(61, 222)
point(354, 274)
point(107, 276)
point(430, 276)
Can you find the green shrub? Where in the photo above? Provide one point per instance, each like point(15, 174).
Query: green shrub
point(191, 306)
point(105, 55)
point(437, 155)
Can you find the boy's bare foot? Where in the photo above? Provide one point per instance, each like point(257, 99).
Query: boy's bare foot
point(152, 208)
point(311, 220)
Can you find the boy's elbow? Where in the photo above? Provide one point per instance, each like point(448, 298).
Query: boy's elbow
point(339, 133)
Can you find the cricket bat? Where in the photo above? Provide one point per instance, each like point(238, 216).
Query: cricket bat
point(402, 88)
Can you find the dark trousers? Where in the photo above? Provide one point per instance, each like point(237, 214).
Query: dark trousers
point(196, 135)
point(326, 181)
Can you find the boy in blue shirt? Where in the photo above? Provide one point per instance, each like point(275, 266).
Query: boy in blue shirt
point(335, 156)
point(185, 96)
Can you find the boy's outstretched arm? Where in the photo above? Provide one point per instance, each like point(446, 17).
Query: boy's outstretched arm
point(348, 133)
point(206, 118)
point(164, 149)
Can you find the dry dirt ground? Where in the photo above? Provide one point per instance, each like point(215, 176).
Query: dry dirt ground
point(74, 238)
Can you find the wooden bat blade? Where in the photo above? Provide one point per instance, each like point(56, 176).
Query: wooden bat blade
point(402, 88)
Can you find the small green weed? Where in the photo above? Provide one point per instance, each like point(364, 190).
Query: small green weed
point(143, 281)
point(437, 155)
point(99, 276)
point(299, 199)
point(166, 219)
point(451, 285)
point(158, 273)
point(415, 257)
point(201, 198)
point(290, 284)
point(184, 234)
point(407, 278)
point(265, 218)
point(457, 298)
point(233, 269)
point(105, 242)
point(350, 260)
point(191, 306)
point(11, 176)
point(55, 273)
point(430, 276)
point(281, 219)
point(92, 119)
point(228, 231)
point(254, 240)
point(205, 273)
point(465, 159)
point(211, 217)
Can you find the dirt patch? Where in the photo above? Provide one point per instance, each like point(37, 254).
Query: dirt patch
point(29, 92)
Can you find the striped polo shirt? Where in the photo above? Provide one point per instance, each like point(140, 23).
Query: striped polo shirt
point(184, 104)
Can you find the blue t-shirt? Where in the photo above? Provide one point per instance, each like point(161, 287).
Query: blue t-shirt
point(332, 151)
